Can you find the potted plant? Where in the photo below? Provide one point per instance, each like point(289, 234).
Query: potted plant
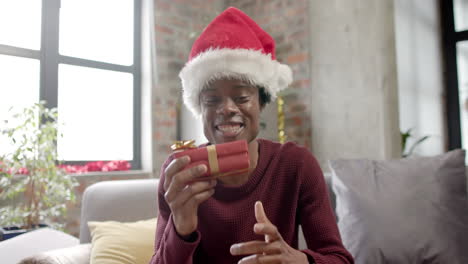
point(404, 140)
point(34, 190)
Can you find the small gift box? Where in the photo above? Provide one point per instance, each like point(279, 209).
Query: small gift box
point(221, 159)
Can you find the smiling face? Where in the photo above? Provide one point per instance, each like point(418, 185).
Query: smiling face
point(230, 111)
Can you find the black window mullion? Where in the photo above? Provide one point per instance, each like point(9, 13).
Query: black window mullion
point(50, 60)
point(49, 52)
point(461, 35)
point(450, 75)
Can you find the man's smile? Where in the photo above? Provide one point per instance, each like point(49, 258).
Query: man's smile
point(229, 129)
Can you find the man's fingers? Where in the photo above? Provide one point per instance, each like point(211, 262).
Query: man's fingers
point(255, 247)
point(193, 189)
point(267, 229)
point(261, 259)
point(175, 166)
point(183, 178)
point(201, 197)
point(264, 226)
point(260, 213)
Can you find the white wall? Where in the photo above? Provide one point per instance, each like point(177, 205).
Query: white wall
point(354, 100)
point(147, 81)
point(419, 62)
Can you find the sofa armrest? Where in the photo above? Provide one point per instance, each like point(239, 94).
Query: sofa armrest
point(122, 200)
point(34, 242)
point(79, 254)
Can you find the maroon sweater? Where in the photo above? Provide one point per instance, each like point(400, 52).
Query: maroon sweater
point(291, 186)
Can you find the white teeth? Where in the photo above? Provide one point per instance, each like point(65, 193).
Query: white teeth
point(229, 128)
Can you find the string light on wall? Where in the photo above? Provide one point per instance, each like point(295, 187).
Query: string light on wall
point(281, 134)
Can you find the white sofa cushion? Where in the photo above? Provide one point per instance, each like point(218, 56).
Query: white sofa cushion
point(71, 255)
point(44, 239)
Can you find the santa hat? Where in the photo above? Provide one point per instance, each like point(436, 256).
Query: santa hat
point(232, 46)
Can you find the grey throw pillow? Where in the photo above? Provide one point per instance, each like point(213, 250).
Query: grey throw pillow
point(412, 210)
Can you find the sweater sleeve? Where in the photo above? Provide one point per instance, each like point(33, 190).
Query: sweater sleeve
point(169, 246)
point(317, 218)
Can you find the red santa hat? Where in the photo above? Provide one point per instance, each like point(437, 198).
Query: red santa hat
point(232, 46)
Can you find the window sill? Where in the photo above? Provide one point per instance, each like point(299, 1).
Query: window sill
point(114, 175)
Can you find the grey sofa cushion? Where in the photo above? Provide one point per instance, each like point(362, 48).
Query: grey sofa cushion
point(403, 211)
point(124, 201)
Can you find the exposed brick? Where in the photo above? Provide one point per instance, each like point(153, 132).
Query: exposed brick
point(176, 29)
point(163, 29)
point(173, 114)
point(301, 84)
point(298, 133)
point(162, 5)
point(296, 58)
point(290, 97)
point(299, 35)
point(284, 48)
point(176, 21)
point(175, 66)
point(297, 108)
point(166, 123)
point(157, 135)
point(293, 122)
point(279, 39)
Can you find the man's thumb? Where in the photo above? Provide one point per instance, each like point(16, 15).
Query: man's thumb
point(260, 213)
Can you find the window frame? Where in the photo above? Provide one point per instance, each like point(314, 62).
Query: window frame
point(50, 58)
point(450, 37)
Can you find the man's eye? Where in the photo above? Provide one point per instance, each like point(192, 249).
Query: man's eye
point(211, 100)
point(242, 99)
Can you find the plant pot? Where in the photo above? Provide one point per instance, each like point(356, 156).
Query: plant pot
point(12, 231)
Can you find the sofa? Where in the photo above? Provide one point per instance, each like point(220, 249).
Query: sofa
point(133, 200)
point(121, 200)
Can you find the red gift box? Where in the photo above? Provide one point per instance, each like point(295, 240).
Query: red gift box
point(221, 159)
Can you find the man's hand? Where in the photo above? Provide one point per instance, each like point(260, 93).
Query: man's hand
point(184, 194)
point(273, 250)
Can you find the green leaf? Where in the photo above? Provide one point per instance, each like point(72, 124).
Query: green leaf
point(419, 141)
point(35, 148)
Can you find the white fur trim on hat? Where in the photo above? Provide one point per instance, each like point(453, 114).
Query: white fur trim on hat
point(250, 65)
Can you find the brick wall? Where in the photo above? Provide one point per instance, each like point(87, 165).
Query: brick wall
point(287, 21)
point(177, 23)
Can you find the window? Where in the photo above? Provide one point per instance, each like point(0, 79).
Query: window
point(82, 57)
point(455, 37)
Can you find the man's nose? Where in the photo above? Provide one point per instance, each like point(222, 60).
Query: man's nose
point(228, 107)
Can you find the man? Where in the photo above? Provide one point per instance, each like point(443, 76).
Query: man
point(251, 217)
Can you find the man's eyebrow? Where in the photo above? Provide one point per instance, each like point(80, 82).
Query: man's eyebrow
point(208, 89)
point(243, 86)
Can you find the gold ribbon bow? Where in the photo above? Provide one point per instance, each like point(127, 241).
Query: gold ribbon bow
point(183, 145)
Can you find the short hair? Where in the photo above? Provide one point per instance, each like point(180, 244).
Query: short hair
point(263, 96)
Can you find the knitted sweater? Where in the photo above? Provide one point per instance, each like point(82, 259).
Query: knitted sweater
point(291, 186)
